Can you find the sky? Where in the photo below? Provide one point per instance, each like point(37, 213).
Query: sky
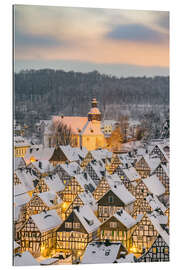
point(111, 41)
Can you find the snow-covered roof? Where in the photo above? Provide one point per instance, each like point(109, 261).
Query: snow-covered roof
point(16, 213)
point(49, 198)
point(132, 174)
point(119, 189)
point(98, 167)
point(20, 189)
point(87, 218)
point(154, 185)
point(43, 166)
point(166, 169)
point(100, 252)
point(101, 154)
point(54, 183)
point(81, 152)
point(25, 259)
point(47, 220)
point(26, 177)
point(125, 160)
point(153, 163)
point(155, 203)
point(130, 146)
point(129, 258)
point(160, 221)
point(39, 153)
point(20, 142)
point(75, 123)
point(45, 122)
point(72, 168)
point(125, 218)
point(49, 261)
point(19, 163)
point(88, 199)
point(21, 199)
point(85, 181)
point(69, 152)
point(108, 122)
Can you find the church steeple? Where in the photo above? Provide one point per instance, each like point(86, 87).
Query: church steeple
point(94, 113)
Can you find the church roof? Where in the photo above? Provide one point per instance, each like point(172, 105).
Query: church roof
point(76, 123)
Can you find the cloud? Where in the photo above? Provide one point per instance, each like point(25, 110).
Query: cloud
point(136, 33)
point(164, 20)
point(34, 40)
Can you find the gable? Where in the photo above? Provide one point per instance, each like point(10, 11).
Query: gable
point(58, 155)
point(29, 224)
point(106, 201)
point(107, 224)
point(72, 219)
point(142, 164)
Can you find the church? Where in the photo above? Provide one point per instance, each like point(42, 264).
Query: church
point(86, 131)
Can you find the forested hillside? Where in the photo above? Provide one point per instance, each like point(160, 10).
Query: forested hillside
point(42, 93)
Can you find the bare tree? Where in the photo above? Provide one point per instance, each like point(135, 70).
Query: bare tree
point(61, 134)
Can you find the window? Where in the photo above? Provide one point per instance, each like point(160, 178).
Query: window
point(110, 199)
point(166, 250)
point(113, 224)
point(154, 250)
point(68, 225)
point(76, 225)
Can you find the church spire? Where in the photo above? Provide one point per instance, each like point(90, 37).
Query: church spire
point(94, 113)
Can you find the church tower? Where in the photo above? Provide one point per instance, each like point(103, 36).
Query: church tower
point(94, 114)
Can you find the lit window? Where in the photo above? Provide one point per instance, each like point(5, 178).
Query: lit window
point(113, 224)
point(166, 250)
point(154, 250)
point(76, 225)
point(68, 225)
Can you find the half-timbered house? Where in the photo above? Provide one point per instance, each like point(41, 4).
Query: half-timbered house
point(158, 252)
point(67, 171)
point(160, 153)
point(147, 186)
point(162, 172)
point(84, 198)
point(147, 231)
point(38, 233)
point(43, 201)
point(101, 188)
point(79, 183)
point(24, 179)
point(79, 229)
point(117, 197)
point(96, 170)
point(119, 227)
point(115, 162)
point(146, 165)
point(129, 177)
